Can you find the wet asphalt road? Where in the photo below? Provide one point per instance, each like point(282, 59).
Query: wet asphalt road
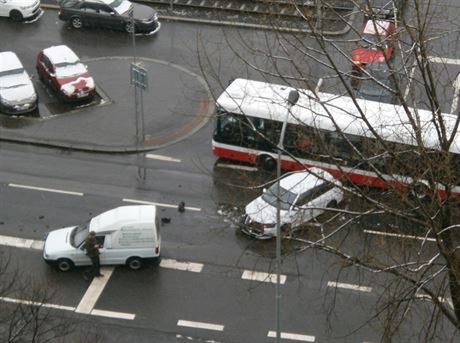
point(161, 297)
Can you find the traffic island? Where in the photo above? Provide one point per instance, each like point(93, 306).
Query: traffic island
point(176, 104)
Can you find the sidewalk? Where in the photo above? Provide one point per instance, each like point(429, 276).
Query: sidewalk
point(176, 104)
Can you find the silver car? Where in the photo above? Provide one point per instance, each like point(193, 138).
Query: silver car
point(303, 196)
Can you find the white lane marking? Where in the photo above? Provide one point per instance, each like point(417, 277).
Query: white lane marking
point(263, 277)
point(397, 235)
point(53, 190)
point(159, 204)
point(93, 292)
point(235, 166)
point(200, 325)
point(349, 286)
point(185, 266)
point(318, 85)
point(444, 60)
point(292, 336)
point(18, 242)
point(35, 303)
point(456, 85)
point(112, 314)
point(441, 299)
point(162, 158)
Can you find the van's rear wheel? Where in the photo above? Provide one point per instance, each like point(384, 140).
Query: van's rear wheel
point(64, 264)
point(134, 263)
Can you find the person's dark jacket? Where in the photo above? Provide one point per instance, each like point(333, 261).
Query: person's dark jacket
point(91, 246)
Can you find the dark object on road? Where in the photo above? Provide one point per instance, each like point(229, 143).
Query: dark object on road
point(112, 14)
point(181, 207)
point(92, 251)
point(165, 220)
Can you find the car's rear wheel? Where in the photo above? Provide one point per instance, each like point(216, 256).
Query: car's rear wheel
point(16, 15)
point(129, 27)
point(134, 263)
point(64, 264)
point(76, 22)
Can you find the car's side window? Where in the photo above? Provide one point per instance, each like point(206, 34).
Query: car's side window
point(105, 10)
point(48, 64)
point(89, 8)
point(100, 240)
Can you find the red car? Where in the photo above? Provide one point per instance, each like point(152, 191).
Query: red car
point(377, 41)
point(62, 70)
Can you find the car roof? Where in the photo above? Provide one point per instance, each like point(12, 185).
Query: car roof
point(122, 216)
point(9, 61)
point(301, 181)
point(60, 54)
point(377, 27)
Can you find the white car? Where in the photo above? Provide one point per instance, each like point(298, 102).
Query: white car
point(21, 10)
point(303, 196)
point(17, 92)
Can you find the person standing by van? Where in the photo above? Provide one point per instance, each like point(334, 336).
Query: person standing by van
point(92, 251)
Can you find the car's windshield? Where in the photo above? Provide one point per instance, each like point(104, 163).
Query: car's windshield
point(67, 69)
point(287, 198)
point(12, 78)
point(11, 72)
point(121, 6)
point(79, 234)
point(371, 42)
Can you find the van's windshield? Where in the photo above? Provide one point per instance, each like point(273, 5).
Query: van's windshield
point(79, 234)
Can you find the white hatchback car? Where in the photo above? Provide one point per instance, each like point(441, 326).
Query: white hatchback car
point(21, 10)
point(17, 92)
point(303, 196)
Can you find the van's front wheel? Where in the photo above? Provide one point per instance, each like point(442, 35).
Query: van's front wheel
point(64, 264)
point(134, 263)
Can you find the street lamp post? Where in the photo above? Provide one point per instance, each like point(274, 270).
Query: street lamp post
point(292, 100)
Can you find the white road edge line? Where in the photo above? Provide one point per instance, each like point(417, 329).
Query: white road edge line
point(349, 286)
point(292, 336)
point(237, 167)
point(185, 266)
point(397, 235)
point(262, 277)
point(159, 204)
point(93, 292)
point(162, 158)
point(200, 325)
point(14, 185)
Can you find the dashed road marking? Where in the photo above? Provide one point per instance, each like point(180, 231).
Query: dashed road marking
point(185, 266)
point(162, 158)
point(349, 286)
point(200, 325)
point(261, 276)
point(398, 235)
point(159, 204)
point(292, 336)
point(112, 314)
point(93, 292)
point(53, 190)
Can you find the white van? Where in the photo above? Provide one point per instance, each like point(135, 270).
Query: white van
point(127, 235)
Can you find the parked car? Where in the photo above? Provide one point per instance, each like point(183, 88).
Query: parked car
point(376, 82)
point(303, 196)
point(112, 14)
point(21, 10)
point(60, 68)
point(377, 42)
point(17, 92)
point(126, 235)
